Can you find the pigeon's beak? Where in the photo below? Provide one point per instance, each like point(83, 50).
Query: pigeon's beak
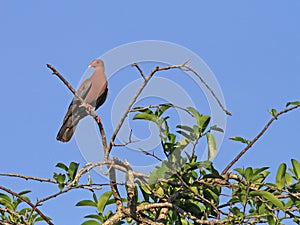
point(89, 66)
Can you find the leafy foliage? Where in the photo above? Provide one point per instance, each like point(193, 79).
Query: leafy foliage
point(12, 212)
point(182, 189)
point(70, 173)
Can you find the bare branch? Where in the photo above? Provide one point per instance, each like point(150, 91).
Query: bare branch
point(257, 137)
point(140, 70)
point(208, 88)
point(150, 154)
point(28, 177)
point(146, 80)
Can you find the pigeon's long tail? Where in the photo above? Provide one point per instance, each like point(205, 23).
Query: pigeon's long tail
point(65, 133)
point(70, 122)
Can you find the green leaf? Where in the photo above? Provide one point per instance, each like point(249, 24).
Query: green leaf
point(143, 109)
point(60, 179)
point(213, 196)
point(292, 103)
point(259, 170)
point(162, 108)
point(280, 176)
point(190, 137)
point(91, 222)
point(288, 179)
point(240, 171)
point(195, 113)
point(202, 121)
point(271, 220)
point(240, 139)
point(273, 112)
point(72, 170)
point(24, 192)
point(145, 116)
point(103, 201)
point(248, 173)
point(186, 128)
point(62, 166)
point(214, 127)
point(5, 197)
point(94, 216)
point(86, 203)
point(270, 197)
point(296, 168)
point(212, 147)
point(95, 197)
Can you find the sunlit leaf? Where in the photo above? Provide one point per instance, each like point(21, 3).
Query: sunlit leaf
point(146, 116)
point(216, 128)
point(240, 139)
point(91, 222)
point(24, 192)
point(86, 203)
point(273, 112)
point(268, 196)
point(186, 128)
point(280, 176)
point(162, 108)
point(288, 179)
point(292, 103)
point(72, 170)
point(248, 173)
point(62, 166)
point(103, 201)
point(296, 168)
point(93, 216)
point(190, 137)
point(143, 109)
point(212, 147)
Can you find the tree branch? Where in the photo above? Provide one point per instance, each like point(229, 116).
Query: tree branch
point(28, 177)
point(146, 80)
point(275, 117)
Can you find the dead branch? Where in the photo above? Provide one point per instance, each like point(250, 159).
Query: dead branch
point(255, 139)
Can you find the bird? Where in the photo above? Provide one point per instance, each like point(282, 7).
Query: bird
point(93, 91)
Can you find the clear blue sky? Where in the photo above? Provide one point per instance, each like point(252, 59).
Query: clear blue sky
point(252, 47)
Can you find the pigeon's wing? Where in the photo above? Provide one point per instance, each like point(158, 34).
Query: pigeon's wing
point(74, 113)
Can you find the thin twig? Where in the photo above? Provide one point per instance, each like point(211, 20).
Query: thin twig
point(140, 70)
point(38, 202)
point(257, 137)
point(150, 154)
point(28, 177)
point(146, 80)
point(208, 88)
point(125, 143)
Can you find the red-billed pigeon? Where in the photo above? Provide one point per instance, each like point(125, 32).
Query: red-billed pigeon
point(93, 91)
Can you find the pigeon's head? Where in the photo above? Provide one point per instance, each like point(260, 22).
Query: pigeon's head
point(97, 63)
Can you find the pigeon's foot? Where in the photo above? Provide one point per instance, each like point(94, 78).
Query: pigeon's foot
point(90, 107)
point(98, 119)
